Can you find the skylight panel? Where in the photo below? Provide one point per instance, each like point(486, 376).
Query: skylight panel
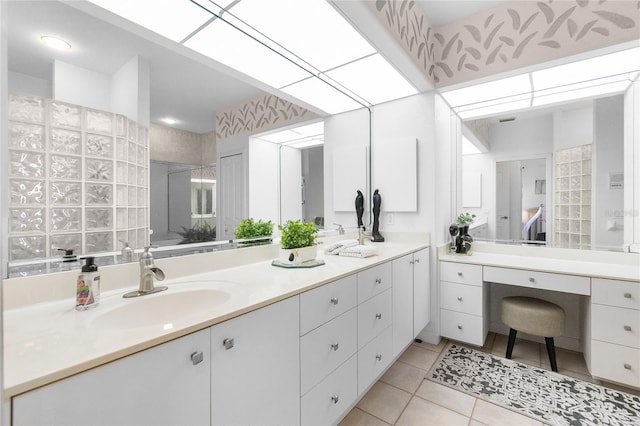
point(317, 93)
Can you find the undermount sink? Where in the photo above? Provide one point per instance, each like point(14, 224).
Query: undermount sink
point(159, 309)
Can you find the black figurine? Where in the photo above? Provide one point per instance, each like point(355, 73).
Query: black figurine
point(360, 208)
point(375, 233)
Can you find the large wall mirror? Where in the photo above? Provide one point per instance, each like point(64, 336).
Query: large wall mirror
point(552, 171)
point(183, 194)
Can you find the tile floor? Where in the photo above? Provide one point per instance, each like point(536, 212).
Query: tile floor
point(403, 397)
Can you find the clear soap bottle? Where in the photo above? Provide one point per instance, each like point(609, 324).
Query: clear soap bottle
point(88, 286)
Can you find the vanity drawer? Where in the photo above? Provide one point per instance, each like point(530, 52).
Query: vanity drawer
point(625, 294)
point(374, 315)
point(321, 304)
point(462, 327)
point(616, 363)
point(615, 325)
point(461, 273)
point(330, 400)
point(541, 280)
point(326, 347)
point(461, 298)
point(374, 281)
point(374, 358)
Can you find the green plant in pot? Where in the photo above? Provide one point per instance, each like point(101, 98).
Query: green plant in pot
point(298, 242)
point(256, 232)
point(198, 234)
point(465, 219)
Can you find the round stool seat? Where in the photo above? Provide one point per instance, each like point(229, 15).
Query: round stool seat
point(533, 316)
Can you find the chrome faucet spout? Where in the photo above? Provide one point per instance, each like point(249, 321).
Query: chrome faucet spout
point(148, 273)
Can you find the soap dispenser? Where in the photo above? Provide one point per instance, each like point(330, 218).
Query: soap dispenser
point(88, 286)
point(127, 252)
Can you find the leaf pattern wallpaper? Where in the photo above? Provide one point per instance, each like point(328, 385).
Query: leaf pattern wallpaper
point(511, 35)
point(259, 114)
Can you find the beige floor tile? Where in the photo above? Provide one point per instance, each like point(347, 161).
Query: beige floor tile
point(621, 388)
point(494, 415)
point(522, 349)
point(474, 422)
point(569, 360)
point(575, 375)
point(384, 402)
point(418, 357)
point(447, 397)
point(425, 413)
point(404, 376)
point(357, 417)
point(436, 348)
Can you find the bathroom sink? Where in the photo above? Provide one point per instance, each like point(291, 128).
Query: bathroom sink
point(159, 309)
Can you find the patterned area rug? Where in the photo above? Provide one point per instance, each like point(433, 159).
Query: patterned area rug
point(540, 394)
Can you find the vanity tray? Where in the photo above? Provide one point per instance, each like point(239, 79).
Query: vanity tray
point(310, 264)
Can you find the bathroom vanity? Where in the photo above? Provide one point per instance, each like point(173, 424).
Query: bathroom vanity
point(246, 344)
point(600, 292)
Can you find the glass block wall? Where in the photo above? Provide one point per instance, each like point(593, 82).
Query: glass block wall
point(78, 179)
point(573, 197)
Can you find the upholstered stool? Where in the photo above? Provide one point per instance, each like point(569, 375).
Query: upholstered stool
point(536, 317)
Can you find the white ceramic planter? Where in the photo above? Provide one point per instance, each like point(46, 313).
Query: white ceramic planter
point(298, 255)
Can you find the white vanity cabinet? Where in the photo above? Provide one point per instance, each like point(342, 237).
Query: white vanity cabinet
point(410, 297)
point(255, 367)
point(615, 331)
point(165, 385)
point(463, 303)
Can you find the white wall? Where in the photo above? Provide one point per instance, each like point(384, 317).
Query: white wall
point(290, 184)
point(130, 91)
point(81, 86)
point(5, 412)
point(263, 180)
point(608, 204)
point(313, 172)
point(159, 199)
point(572, 128)
point(27, 85)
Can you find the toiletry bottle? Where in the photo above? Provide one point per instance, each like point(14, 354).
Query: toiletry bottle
point(88, 286)
point(127, 252)
point(69, 260)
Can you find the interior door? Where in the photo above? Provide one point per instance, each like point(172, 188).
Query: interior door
point(503, 195)
point(232, 195)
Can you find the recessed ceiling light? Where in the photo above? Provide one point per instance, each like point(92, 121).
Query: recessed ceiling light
point(169, 120)
point(55, 43)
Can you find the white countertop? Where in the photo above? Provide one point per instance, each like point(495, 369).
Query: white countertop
point(49, 341)
point(622, 266)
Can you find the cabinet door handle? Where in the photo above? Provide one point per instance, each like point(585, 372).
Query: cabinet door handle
point(411, 262)
point(627, 295)
point(334, 300)
point(197, 357)
point(227, 343)
point(459, 298)
point(532, 280)
point(378, 280)
point(379, 357)
point(335, 346)
point(627, 366)
point(459, 274)
point(335, 398)
point(627, 328)
point(378, 316)
point(459, 326)
point(417, 260)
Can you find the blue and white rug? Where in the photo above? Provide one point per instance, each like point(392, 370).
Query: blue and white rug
point(540, 394)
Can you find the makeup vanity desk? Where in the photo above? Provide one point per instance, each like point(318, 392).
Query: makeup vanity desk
point(600, 292)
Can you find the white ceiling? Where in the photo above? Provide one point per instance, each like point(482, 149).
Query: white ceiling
point(181, 87)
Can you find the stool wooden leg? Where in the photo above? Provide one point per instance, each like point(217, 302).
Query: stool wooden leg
point(512, 341)
point(551, 350)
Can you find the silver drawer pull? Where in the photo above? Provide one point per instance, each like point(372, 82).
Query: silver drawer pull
point(334, 300)
point(227, 343)
point(335, 398)
point(411, 262)
point(459, 326)
point(627, 295)
point(459, 298)
point(627, 366)
point(532, 280)
point(196, 358)
point(335, 346)
point(378, 316)
point(627, 328)
point(379, 357)
point(378, 280)
point(459, 274)
point(417, 260)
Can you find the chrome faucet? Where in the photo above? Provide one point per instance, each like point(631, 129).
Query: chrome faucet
point(340, 229)
point(148, 272)
point(361, 235)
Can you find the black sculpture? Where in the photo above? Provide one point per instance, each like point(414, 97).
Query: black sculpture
point(375, 233)
point(360, 208)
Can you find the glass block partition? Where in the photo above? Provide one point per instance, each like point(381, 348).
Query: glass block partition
point(78, 179)
point(573, 197)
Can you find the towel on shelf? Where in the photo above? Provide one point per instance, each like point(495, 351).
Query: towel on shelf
point(359, 251)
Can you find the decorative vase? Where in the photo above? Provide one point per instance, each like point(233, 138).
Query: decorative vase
point(463, 240)
point(298, 255)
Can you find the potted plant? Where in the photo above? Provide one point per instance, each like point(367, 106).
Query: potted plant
point(464, 220)
point(198, 234)
point(463, 240)
point(298, 242)
point(256, 232)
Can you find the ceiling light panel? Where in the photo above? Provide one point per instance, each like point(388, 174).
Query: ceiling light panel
point(373, 79)
point(281, 137)
point(174, 19)
point(311, 29)
point(497, 89)
point(603, 87)
point(318, 93)
point(225, 44)
point(309, 130)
